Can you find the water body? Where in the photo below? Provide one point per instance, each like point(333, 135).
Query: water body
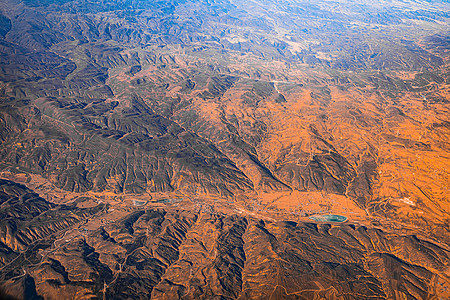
point(169, 200)
point(329, 218)
point(139, 203)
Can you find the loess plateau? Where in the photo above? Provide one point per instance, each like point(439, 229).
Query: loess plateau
point(195, 149)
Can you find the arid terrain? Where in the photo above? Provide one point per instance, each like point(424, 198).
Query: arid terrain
point(224, 149)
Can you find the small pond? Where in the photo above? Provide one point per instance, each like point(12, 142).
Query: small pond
point(139, 203)
point(329, 218)
point(169, 200)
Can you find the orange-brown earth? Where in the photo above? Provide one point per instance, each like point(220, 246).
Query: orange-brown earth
point(176, 149)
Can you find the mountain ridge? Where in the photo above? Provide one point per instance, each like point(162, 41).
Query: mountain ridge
point(168, 140)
